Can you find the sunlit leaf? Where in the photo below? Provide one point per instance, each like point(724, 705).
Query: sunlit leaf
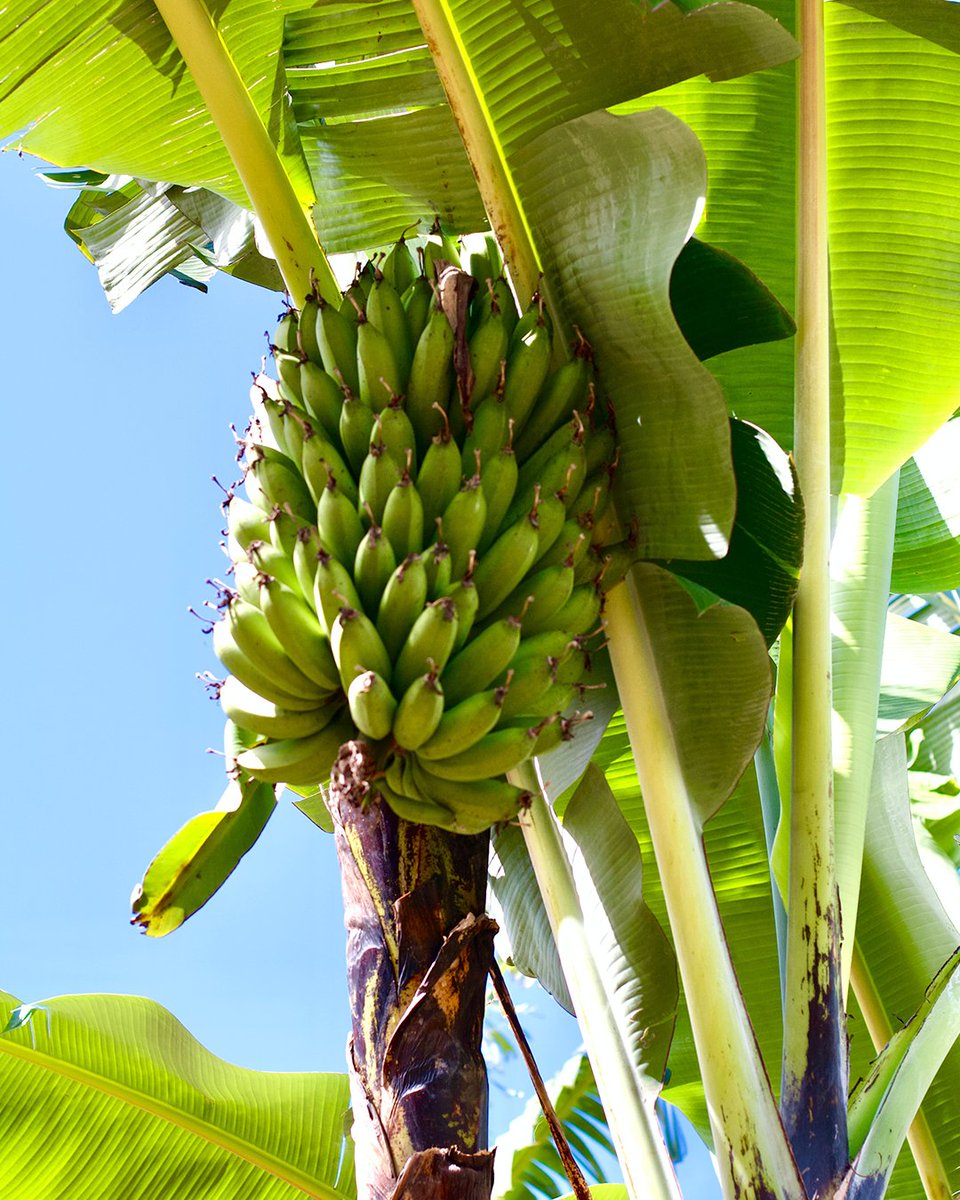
point(110, 1096)
point(926, 552)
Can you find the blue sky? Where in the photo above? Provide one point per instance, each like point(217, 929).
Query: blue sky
point(113, 428)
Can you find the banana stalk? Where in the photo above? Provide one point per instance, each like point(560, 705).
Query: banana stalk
point(292, 237)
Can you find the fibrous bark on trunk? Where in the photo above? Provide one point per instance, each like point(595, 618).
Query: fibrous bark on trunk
point(419, 948)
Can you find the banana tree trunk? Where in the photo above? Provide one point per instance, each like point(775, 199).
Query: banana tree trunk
point(419, 948)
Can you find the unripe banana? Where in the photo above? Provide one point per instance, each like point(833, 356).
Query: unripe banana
point(463, 522)
point(337, 341)
point(374, 564)
point(581, 613)
point(251, 711)
point(484, 657)
point(338, 524)
point(246, 522)
point(498, 479)
point(403, 518)
point(436, 562)
point(285, 335)
point(247, 579)
point(493, 755)
point(356, 430)
point(539, 597)
point(466, 601)
point(372, 705)
point(438, 480)
point(417, 812)
point(297, 761)
point(475, 806)
point(245, 628)
point(399, 267)
point(569, 549)
point(565, 390)
point(297, 631)
point(600, 449)
point(488, 434)
point(488, 349)
point(282, 532)
point(463, 725)
point(288, 368)
point(273, 481)
point(417, 300)
point(321, 462)
point(322, 398)
point(506, 562)
point(419, 712)
point(385, 311)
point(306, 555)
point(377, 366)
point(592, 502)
point(404, 597)
point(307, 329)
point(271, 561)
point(357, 647)
point(441, 248)
point(528, 365)
point(429, 643)
point(393, 428)
point(431, 376)
point(379, 475)
point(333, 588)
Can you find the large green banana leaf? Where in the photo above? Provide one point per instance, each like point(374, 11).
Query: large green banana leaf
point(109, 1096)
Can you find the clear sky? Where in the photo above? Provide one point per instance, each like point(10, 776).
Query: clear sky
point(113, 427)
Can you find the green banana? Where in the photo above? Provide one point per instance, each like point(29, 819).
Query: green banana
point(419, 712)
point(379, 475)
point(417, 299)
point(282, 532)
point(403, 518)
point(399, 267)
point(463, 522)
point(246, 522)
point(466, 601)
point(493, 755)
point(321, 461)
point(243, 627)
point(463, 725)
point(438, 479)
point(307, 328)
point(374, 564)
point(484, 657)
point(488, 348)
point(417, 812)
point(431, 376)
point(528, 682)
point(528, 365)
point(436, 562)
point(322, 398)
point(475, 806)
point(356, 430)
point(336, 336)
point(581, 613)
point(488, 434)
point(539, 597)
point(564, 391)
point(305, 556)
point(385, 311)
point(403, 599)
point(333, 587)
point(395, 431)
point(338, 524)
point(272, 480)
point(372, 705)
point(429, 643)
point(504, 565)
point(297, 631)
point(271, 561)
point(251, 711)
point(285, 336)
point(297, 761)
point(357, 647)
point(498, 479)
point(377, 366)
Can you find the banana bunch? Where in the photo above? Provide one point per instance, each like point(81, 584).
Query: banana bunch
point(413, 563)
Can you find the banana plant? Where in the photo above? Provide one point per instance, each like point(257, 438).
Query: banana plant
point(583, 138)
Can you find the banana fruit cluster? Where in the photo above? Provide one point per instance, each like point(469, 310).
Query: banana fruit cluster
point(413, 563)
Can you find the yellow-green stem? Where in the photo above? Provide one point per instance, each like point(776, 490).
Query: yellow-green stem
point(930, 1167)
point(750, 1145)
point(484, 149)
point(646, 1165)
point(285, 222)
point(813, 1091)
